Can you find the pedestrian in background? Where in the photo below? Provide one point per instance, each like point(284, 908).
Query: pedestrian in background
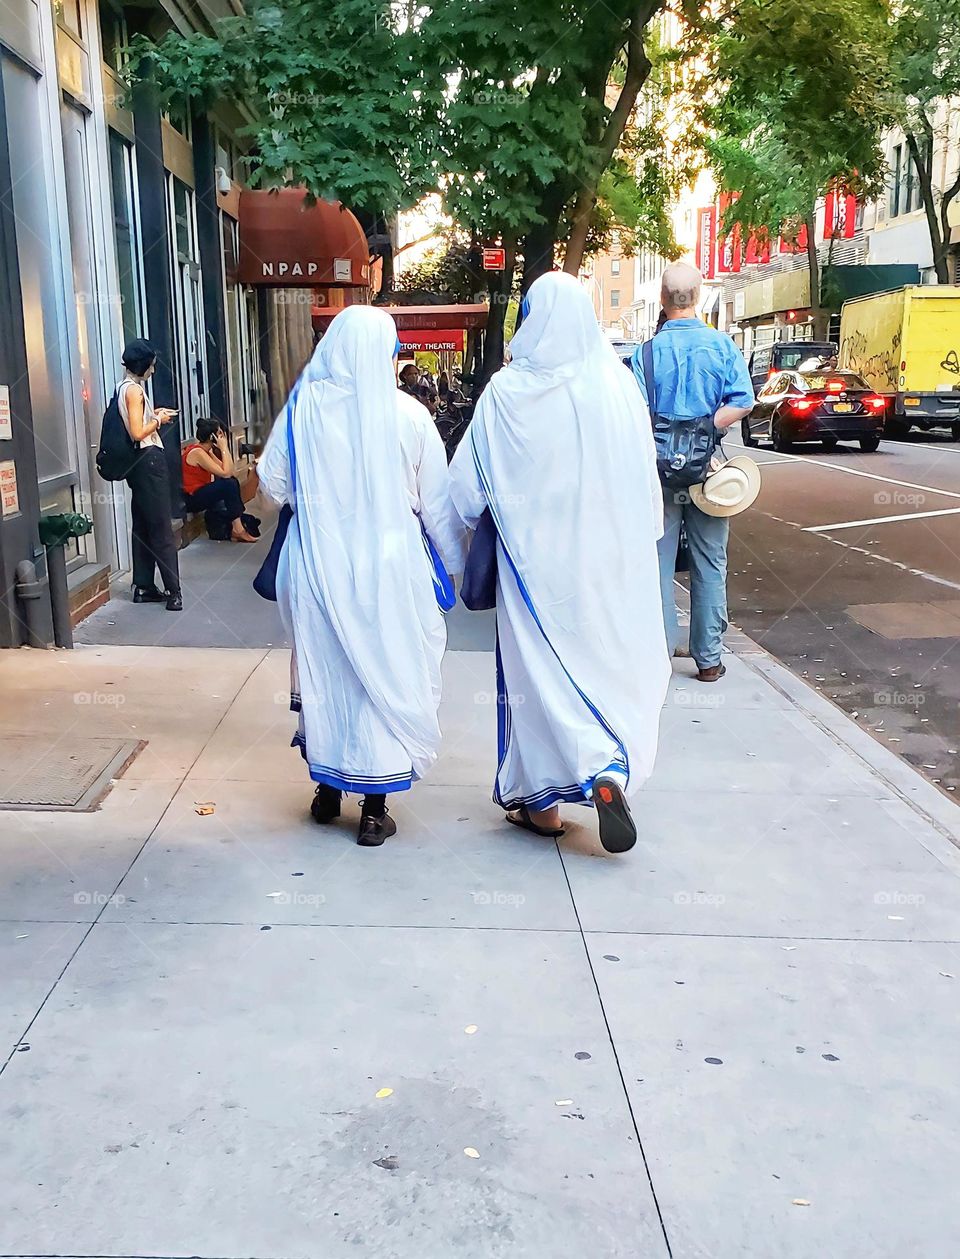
point(364, 470)
point(153, 546)
point(209, 483)
point(560, 451)
point(698, 372)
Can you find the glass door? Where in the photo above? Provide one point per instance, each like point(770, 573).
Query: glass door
point(189, 347)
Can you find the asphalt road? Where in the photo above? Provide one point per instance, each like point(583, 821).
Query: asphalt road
point(847, 569)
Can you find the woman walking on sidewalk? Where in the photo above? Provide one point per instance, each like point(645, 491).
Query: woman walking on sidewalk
point(364, 469)
point(561, 452)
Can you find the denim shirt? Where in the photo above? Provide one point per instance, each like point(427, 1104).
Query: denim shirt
point(696, 369)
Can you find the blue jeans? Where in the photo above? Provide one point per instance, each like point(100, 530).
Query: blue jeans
point(707, 545)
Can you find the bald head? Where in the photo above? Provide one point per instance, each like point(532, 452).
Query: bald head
point(680, 289)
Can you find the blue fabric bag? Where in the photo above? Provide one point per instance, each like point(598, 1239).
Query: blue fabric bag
point(478, 590)
point(265, 582)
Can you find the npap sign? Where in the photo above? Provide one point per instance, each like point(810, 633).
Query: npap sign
point(289, 271)
point(287, 242)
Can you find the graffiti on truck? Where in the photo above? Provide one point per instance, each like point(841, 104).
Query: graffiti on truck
point(878, 370)
point(951, 363)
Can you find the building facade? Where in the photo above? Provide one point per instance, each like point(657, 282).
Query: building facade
point(116, 220)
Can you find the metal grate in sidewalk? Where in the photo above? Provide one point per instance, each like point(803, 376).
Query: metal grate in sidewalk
point(38, 772)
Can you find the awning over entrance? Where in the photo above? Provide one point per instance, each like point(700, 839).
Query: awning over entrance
point(430, 318)
point(286, 243)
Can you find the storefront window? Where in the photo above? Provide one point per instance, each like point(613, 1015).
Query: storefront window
point(125, 236)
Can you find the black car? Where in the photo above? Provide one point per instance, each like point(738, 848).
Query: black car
point(825, 407)
point(786, 356)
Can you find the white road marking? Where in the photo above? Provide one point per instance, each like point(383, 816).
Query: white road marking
point(905, 568)
point(872, 476)
point(881, 520)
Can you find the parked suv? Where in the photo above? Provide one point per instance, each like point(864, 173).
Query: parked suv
point(785, 356)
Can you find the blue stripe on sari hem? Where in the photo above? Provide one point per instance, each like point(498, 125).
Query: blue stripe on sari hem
point(544, 799)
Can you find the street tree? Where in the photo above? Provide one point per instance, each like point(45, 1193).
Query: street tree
point(337, 92)
point(924, 68)
point(777, 139)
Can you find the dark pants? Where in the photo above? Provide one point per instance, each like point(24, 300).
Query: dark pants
point(223, 492)
point(154, 546)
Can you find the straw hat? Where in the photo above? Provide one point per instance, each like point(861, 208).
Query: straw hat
point(729, 490)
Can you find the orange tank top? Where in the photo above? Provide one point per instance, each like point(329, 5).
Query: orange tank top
point(194, 478)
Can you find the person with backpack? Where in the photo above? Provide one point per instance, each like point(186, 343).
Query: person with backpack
point(697, 385)
point(153, 544)
point(558, 473)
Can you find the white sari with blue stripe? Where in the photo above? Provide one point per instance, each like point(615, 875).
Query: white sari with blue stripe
point(561, 451)
point(365, 471)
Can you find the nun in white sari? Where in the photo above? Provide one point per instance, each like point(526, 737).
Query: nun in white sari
point(359, 585)
point(561, 451)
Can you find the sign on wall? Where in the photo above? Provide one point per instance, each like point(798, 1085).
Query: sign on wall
point(6, 422)
point(707, 241)
point(9, 496)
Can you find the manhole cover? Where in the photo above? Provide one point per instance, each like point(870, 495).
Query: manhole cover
point(40, 773)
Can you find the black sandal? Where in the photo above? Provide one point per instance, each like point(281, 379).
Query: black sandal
point(523, 819)
point(618, 831)
point(325, 806)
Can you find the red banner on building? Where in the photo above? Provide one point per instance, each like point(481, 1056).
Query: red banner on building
point(796, 246)
point(730, 247)
point(839, 215)
point(707, 241)
point(758, 247)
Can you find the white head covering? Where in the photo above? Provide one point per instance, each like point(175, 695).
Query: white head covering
point(562, 446)
point(361, 542)
point(560, 332)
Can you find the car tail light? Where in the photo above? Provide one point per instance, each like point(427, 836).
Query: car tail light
point(875, 404)
point(772, 372)
point(835, 386)
point(802, 404)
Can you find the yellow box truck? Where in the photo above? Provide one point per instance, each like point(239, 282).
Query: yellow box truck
point(906, 345)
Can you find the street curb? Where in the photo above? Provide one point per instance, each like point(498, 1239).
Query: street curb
point(908, 783)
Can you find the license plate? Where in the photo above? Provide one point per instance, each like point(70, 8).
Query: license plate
point(843, 407)
point(911, 402)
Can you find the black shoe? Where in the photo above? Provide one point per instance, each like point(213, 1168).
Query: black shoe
point(326, 804)
point(618, 831)
point(374, 830)
point(148, 594)
point(175, 602)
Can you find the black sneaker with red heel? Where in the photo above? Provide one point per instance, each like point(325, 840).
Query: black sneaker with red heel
point(618, 831)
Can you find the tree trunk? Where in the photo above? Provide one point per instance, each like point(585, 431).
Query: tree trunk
point(938, 244)
point(539, 244)
point(501, 284)
point(821, 317)
point(638, 69)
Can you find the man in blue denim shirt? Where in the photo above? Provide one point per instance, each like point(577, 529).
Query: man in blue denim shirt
point(698, 371)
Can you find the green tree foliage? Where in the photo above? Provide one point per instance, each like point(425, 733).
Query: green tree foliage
point(340, 98)
point(800, 107)
point(924, 82)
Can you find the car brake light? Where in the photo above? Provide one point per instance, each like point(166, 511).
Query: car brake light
point(876, 404)
point(772, 372)
point(802, 404)
point(835, 386)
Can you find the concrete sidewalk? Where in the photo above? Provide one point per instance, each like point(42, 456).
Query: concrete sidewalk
point(737, 1040)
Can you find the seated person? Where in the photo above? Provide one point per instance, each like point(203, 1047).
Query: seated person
point(209, 483)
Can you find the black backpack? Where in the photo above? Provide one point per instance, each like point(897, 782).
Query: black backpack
point(684, 446)
point(118, 451)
